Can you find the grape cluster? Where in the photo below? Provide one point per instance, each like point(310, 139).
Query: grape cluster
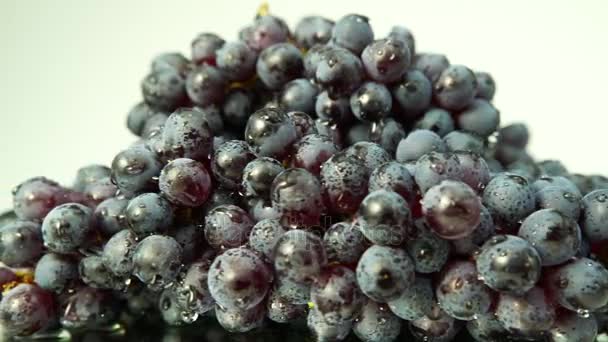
point(322, 177)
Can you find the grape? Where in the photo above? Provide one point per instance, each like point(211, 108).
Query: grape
point(227, 226)
point(387, 133)
point(329, 129)
point(90, 174)
point(595, 215)
point(384, 273)
point(137, 119)
point(339, 71)
point(437, 120)
point(474, 170)
point(89, 308)
point(353, 32)
point(313, 30)
point(428, 251)
point(435, 167)
point(264, 236)
point(204, 48)
point(67, 227)
point(544, 182)
point(118, 252)
point(235, 320)
point(312, 151)
point(415, 302)
point(436, 326)
point(164, 89)
point(412, 94)
point(509, 263)
point(153, 128)
point(170, 310)
point(278, 64)
point(7, 276)
point(392, 176)
point(360, 131)
point(299, 95)
point(431, 65)
point(281, 311)
point(312, 58)
point(299, 256)
point(336, 296)
point(157, 261)
point(56, 272)
point(95, 273)
point(293, 292)
point(192, 291)
point(386, 60)
point(270, 132)
point(100, 191)
point(417, 144)
point(371, 102)
point(571, 327)
point(580, 285)
point(173, 61)
point(296, 194)
point(406, 36)
point(376, 323)
point(134, 170)
point(455, 88)
point(463, 141)
point(336, 110)
point(325, 332)
point(486, 87)
point(479, 118)
point(148, 214)
point(371, 154)
point(236, 60)
point(206, 85)
point(229, 160)
point(516, 135)
point(34, 198)
point(509, 198)
point(20, 243)
point(527, 316)
point(552, 168)
point(556, 237)
point(484, 230)
point(384, 218)
point(460, 293)
point(26, 309)
point(344, 243)
point(237, 107)
point(191, 239)
point(487, 328)
point(265, 31)
point(303, 122)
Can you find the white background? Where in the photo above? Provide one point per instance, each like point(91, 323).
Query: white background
point(70, 70)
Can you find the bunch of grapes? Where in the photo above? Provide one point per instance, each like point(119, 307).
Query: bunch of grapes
point(321, 177)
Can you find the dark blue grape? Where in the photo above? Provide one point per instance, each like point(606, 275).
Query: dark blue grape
point(138, 116)
point(509, 198)
point(228, 162)
point(304, 123)
point(264, 236)
point(528, 316)
point(572, 327)
point(405, 35)
point(192, 291)
point(487, 328)
point(312, 151)
point(479, 118)
point(460, 293)
point(152, 127)
point(436, 326)
point(236, 60)
point(118, 252)
point(313, 30)
point(417, 144)
point(258, 175)
point(371, 154)
point(149, 213)
point(344, 243)
point(325, 332)
point(293, 292)
point(412, 94)
point(134, 170)
point(555, 236)
point(191, 239)
point(339, 71)
point(157, 261)
point(428, 251)
point(26, 309)
point(393, 176)
point(452, 209)
point(552, 168)
point(516, 135)
point(185, 182)
point(386, 60)
point(311, 60)
point(361, 131)
point(227, 226)
point(299, 95)
point(463, 141)
point(595, 215)
point(486, 87)
point(204, 48)
point(35, 197)
point(89, 308)
point(474, 170)
point(206, 85)
point(329, 129)
point(238, 279)
point(431, 65)
point(56, 272)
point(455, 88)
point(90, 174)
point(387, 133)
point(212, 117)
point(100, 190)
point(296, 195)
point(508, 263)
point(437, 120)
point(270, 132)
point(336, 296)
point(164, 89)
point(67, 227)
point(435, 167)
point(237, 107)
point(20, 243)
point(240, 321)
point(334, 109)
point(384, 273)
point(377, 323)
point(415, 302)
point(281, 311)
point(581, 286)
point(94, 273)
point(353, 32)
point(173, 61)
point(299, 256)
point(265, 31)
point(544, 182)
point(279, 64)
point(371, 102)
point(484, 230)
point(384, 218)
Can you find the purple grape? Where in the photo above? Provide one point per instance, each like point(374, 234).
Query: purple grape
point(312, 151)
point(405, 35)
point(264, 236)
point(206, 85)
point(486, 87)
point(278, 64)
point(89, 308)
point(204, 48)
point(270, 132)
point(67, 227)
point(384, 273)
point(20, 243)
point(236, 60)
point(376, 323)
point(118, 252)
point(436, 326)
point(258, 176)
point(336, 110)
point(437, 120)
point(386, 60)
point(26, 309)
point(428, 251)
point(299, 95)
point(339, 71)
point(90, 174)
point(393, 176)
point(474, 170)
point(94, 273)
point(296, 194)
point(280, 310)
point(227, 226)
point(460, 293)
point(431, 65)
point(185, 182)
point(157, 261)
point(387, 133)
point(371, 154)
point(371, 102)
point(296, 293)
point(325, 332)
point(137, 119)
point(487, 328)
point(265, 31)
point(237, 107)
point(191, 239)
point(304, 123)
point(313, 30)
point(464, 141)
point(299, 256)
point(164, 90)
point(134, 170)
point(527, 316)
point(435, 167)
point(34, 198)
point(418, 143)
point(192, 291)
point(100, 190)
point(173, 61)
point(455, 88)
point(336, 296)
point(228, 162)
point(472, 242)
point(344, 243)
point(384, 218)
